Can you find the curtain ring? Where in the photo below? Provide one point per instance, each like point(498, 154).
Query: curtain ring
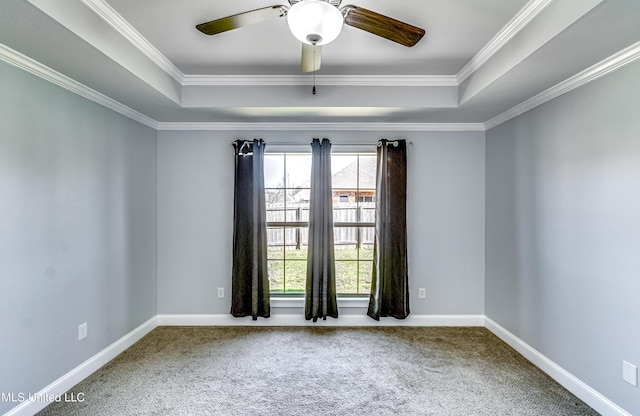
point(245, 143)
point(394, 143)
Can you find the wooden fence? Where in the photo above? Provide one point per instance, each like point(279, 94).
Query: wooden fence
point(345, 216)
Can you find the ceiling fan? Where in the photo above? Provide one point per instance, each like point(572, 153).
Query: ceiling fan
point(319, 22)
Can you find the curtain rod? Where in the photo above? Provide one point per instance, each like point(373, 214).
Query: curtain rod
point(394, 142)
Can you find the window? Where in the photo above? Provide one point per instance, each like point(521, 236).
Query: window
point(287, 178)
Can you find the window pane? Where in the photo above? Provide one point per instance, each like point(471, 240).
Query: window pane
point(345, 238)
point(346, 276)
point(293, 253)
point(274, 170)
point(276, 252)
point(296, 272)
point(345, 252)
point(366, 253)
point(344, 172)
point(275, 239)
point(304, 238)
point(367, 235)
point(276, 275)
point(275, 248)
point(293, 238)
point(298, 170)
point(367, 172)
point(302, 214)
point(298, 205)
point(367, 211)
point(275, 214)
point(274, 199)
point(297, 197)
point(294, 214)
point(345, 212)
point(365, 276)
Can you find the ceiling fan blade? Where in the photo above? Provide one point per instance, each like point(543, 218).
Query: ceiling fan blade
point(383, 26)
point(241, 19)
point(311, 57)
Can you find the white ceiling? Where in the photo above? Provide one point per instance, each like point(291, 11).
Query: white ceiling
point(479, 58)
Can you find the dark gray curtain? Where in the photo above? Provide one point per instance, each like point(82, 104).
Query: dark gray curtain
point(249, 280)
point(390, 283)
point(320, 294)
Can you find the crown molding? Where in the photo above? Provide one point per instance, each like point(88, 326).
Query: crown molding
point(124, 28)
point(338, 126)
point(339, 80)
point(25, 63)
point(515, 25)
point(602, 68)
point(34, 67)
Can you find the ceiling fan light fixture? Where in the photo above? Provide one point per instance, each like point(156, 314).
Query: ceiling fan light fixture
point(315, 22)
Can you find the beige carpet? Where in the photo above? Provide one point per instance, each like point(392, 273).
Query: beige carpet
point(320, 371)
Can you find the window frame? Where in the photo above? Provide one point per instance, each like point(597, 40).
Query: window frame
point(289, 299)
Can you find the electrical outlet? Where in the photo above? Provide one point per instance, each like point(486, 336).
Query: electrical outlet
point(630, 373)
point(422, 293)
point(82, 331)
point(221, 292)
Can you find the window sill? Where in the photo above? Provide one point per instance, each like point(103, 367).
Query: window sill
point(298, 302)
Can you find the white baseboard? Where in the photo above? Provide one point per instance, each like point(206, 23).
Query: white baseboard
point(567, 380)
point(298, 320)
point(84, 370)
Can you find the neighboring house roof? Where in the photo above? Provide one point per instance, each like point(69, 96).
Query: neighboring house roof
point(346, 178)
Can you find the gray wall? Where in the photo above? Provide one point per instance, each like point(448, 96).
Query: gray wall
point(445, 217)
point(77, 229)
point(563, 231)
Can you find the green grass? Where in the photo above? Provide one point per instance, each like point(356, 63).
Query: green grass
point(288, 270)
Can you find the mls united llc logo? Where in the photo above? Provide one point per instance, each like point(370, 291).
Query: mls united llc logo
point(41, 397)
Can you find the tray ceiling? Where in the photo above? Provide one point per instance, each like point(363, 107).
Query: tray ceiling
point(477, 61)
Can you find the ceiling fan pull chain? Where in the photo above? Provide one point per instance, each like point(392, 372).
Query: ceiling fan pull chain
point(314, 72)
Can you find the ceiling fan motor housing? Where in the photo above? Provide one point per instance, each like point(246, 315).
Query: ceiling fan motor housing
point(315, 22)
